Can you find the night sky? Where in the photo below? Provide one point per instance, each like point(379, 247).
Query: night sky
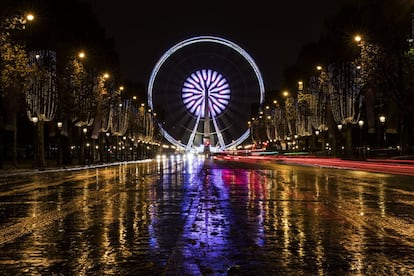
point(272, 32)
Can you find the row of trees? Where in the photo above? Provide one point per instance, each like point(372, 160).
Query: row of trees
point(64, 92)
point(350, 92)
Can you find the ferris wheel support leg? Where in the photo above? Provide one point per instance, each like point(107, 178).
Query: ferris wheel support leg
point(193, 133)
point(219, 135)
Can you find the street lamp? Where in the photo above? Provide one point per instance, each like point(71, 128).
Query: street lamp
point(60, 152)
point(108, 147)
point(35, 120)
point(361, 124)
point(30, 17)
point(340, 126)
point(83, 141)
point(300, 85)
point(382, 120)
point(81, 55)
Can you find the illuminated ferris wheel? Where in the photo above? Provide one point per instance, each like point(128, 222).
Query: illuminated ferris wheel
point(204, 90)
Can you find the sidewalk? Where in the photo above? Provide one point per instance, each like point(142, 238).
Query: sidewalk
point(26, 167)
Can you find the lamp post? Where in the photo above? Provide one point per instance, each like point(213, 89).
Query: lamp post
point(339, 142)
point(83, 141)
point(35, 119)
point(315, 139)
point(59, 143)
point(382, 120)
point(124, 154)
point(108, 147)
point(361, 144)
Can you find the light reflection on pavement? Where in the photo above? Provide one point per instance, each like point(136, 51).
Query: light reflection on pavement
point(190, 216)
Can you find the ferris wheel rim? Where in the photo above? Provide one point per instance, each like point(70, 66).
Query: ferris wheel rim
point(197, 39)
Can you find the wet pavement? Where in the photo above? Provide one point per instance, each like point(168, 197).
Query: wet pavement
point(190, 216)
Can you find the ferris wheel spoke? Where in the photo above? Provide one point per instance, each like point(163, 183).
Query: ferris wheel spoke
point(219, 105)
point(196, 85)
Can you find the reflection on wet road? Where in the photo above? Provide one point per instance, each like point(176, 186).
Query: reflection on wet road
point(189, 216)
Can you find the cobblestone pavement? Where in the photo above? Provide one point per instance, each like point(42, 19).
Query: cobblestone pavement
point(190, 216)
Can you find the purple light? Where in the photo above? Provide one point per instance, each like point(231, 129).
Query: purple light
point(202, 83)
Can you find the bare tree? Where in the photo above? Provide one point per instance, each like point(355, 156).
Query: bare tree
point(42, 97)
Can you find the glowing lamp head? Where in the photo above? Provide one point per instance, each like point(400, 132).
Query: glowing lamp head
point(30, 17)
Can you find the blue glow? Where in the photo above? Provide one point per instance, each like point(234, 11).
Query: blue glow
point(205, 82)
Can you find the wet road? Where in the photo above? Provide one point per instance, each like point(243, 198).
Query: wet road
point(191, 216)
